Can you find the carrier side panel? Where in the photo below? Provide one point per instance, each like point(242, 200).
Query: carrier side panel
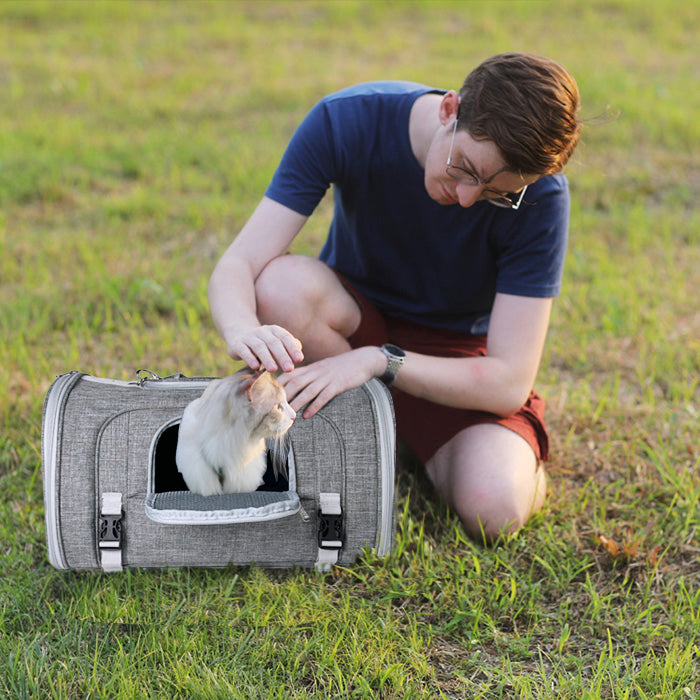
point(354, 417)
point(87, 438)
point(319, 455)
point(86, 411)
point(363, 486)
point(336, 451)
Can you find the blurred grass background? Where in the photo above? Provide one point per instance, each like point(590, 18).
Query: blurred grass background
point(135, 140)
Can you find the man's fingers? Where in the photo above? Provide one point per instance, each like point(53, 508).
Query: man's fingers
point(271, 347)
point(255, 353)
point(293, 348)
point(284, 345)
point(238, 351)
point(313, 397)
point(311, 387)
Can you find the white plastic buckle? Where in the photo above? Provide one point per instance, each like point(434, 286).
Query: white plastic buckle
point(110, 532)
point(330, 531)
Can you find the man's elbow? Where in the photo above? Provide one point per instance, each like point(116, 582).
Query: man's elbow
point(510, 400)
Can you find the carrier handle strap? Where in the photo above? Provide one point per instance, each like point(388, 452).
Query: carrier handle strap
point(330, 530)
point(110, 532)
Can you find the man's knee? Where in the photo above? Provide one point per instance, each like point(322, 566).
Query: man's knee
point(491, 496)
point(304, 295)
point(488, 514)
point(284, 288)
point(491, 511)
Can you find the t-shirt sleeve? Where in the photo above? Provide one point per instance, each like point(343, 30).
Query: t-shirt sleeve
point(533, 249)
point(308, 165)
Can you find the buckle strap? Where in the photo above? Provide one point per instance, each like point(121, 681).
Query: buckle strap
point(110, 532)
point(330, 530)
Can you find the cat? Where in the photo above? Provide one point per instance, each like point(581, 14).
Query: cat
point(221, 441)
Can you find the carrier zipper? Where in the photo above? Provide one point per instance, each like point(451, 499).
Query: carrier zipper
point(387, 454)
point(175, 384)
point(154, 383)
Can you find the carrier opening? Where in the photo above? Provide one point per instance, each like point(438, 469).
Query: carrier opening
point(166, 477)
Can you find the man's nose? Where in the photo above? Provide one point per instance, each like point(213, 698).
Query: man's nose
point(468, 194)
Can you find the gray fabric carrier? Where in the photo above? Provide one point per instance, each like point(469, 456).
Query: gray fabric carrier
point(113, 497)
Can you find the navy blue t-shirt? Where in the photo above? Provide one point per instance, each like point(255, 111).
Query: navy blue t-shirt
point(415, 259)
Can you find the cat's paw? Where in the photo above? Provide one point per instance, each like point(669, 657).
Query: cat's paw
point(202, 479)
point(209, 489)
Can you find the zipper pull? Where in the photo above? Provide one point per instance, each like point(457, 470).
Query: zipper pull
point(304, 515)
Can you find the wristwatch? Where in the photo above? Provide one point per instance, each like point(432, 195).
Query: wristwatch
point(395, 357)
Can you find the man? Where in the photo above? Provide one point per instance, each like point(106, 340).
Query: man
point(445, 251)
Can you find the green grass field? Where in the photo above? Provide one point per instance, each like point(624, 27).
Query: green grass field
point(135, 140)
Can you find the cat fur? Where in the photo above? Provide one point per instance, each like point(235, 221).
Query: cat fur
point(221, 441)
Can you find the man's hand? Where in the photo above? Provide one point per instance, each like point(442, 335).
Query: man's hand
point(271, 347)
point(317, 383)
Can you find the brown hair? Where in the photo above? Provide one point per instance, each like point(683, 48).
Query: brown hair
point(528, 106)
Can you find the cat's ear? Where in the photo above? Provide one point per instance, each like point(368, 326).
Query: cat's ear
point(249, 382)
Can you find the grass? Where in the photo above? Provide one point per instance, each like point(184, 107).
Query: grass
point(135, 139)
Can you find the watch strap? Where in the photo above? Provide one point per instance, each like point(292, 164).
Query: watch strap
point(395, 357)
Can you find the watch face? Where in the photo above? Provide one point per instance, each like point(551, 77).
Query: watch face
point(395, 358)
point(395, 350)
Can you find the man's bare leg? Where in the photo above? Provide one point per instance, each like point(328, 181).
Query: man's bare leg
point(490, 477)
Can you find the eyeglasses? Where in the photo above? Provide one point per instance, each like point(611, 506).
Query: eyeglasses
point(506, 200)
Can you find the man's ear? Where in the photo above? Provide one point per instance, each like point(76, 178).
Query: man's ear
point(449, 107)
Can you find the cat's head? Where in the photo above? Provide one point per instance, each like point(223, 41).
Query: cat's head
point(264, 401)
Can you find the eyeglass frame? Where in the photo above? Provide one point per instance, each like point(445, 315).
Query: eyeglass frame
point(473, 179)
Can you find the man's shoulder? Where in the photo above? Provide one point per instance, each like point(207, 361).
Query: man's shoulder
point(381, 87)
point(378, 89)
point(556, 182)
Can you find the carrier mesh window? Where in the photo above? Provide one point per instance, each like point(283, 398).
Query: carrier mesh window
point(167, 478)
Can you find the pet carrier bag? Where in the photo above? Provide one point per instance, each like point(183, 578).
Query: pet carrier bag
point(113, 497)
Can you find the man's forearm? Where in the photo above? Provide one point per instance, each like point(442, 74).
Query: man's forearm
point(476, 383)
point(232, 298)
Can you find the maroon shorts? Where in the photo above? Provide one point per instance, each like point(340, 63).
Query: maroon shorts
point(423, 425)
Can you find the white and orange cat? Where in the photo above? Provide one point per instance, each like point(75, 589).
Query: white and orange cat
point(221, 442)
